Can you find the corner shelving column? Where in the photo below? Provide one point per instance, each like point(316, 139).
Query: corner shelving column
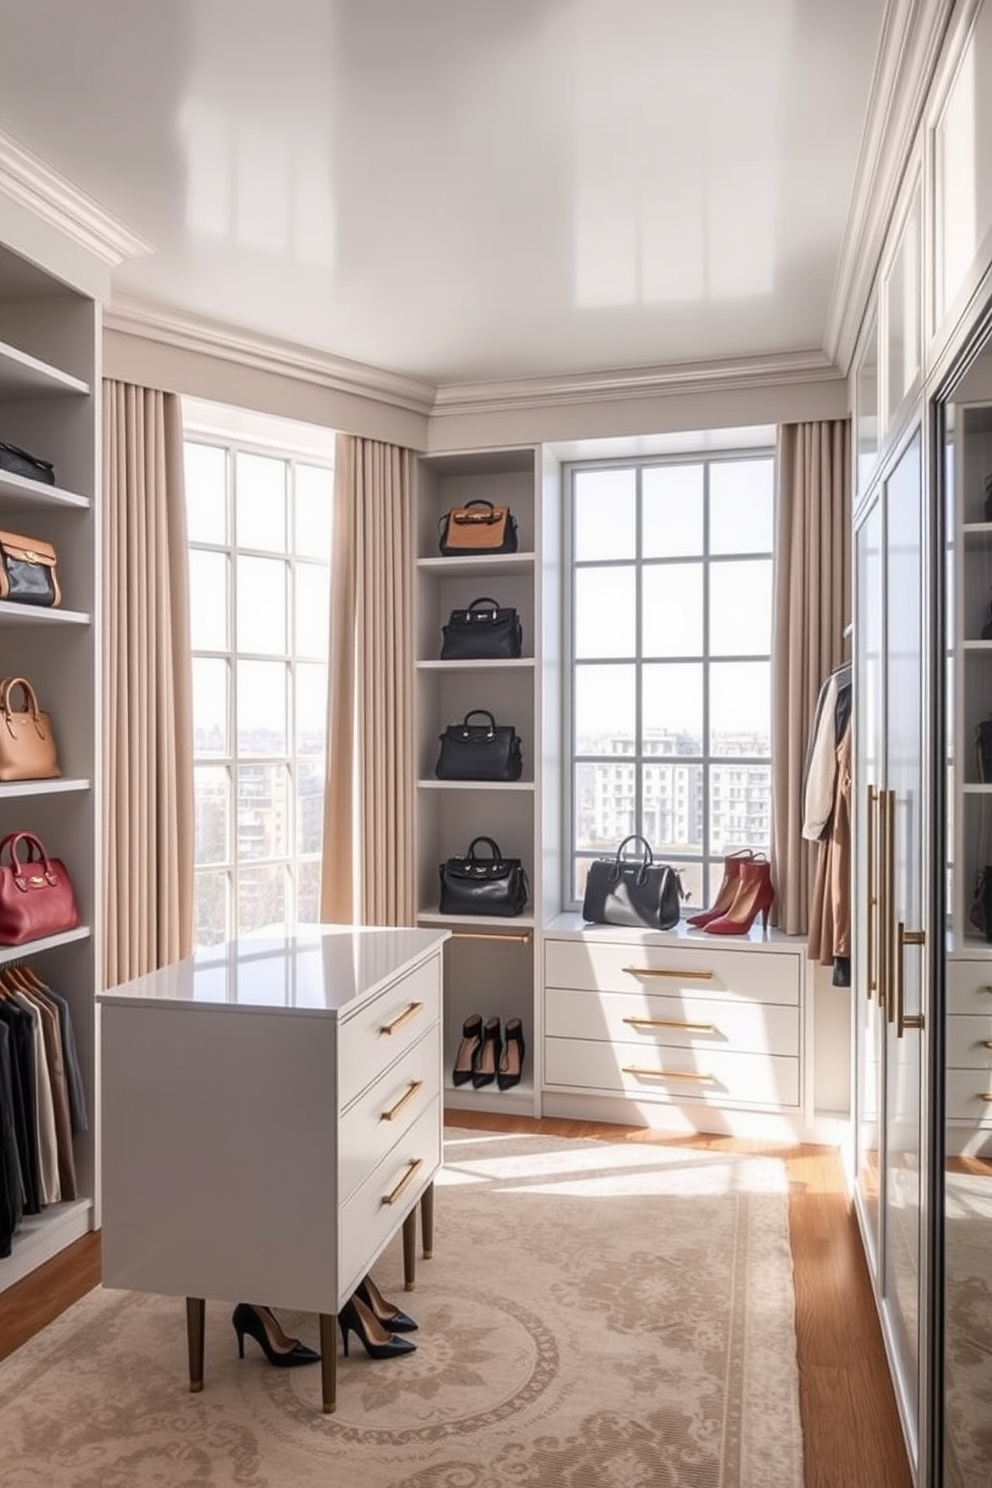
point(489, 962)
point(49, 398)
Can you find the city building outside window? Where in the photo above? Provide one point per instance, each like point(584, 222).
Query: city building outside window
point(259, 532)
point(669, 682)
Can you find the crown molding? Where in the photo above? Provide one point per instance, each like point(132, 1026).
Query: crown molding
point(196, 333)
point(732, 375)
point(912, 34)
point(27, 180)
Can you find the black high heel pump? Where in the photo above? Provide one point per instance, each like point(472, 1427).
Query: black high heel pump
point(387, 1313)
point(356, 1317)
point(468, 1050)
point(487, 1060)
point(512, 1058)
point(260, 1323)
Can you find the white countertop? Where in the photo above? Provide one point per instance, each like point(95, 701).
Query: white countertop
point(573, 926)
point(317, 968)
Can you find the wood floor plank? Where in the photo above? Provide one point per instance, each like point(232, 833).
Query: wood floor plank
point(852, 1436)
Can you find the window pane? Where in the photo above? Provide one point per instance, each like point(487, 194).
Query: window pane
point(673, 708)
point(604, 709)
point(205, 471)
point(313, 586)
point(604, 804)
point(261, 897)
point(309, 807)
point(742, 506)
point(262, 605)
point(262, 701)
point(263, 812)
point(314, 493)
point(672, 610)
point(311, 708)
point(308, 893)
point(741, 608)
point(260, 502)
point(740, 807)
point(211, 706)
point(672, 511)
point(208, 602)
point(605, 612)
point(212, 800)
point(604, 514)
point(740, 708)
point(672, 810)
point(213, 901)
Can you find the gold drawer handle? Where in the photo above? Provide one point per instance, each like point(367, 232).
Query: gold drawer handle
point(404, 1100)
point(652, 971)
point(663, 1074)
point(403, 1019)
point(985, 1096)
point(675, 1023)
point(986, 1043)
point(405, 1181)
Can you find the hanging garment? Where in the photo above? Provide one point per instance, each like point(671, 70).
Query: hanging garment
point(74, 1077)
point(833, 709)
point(11, 1183)
point(60, 1093)
point(22, 1069)
point(44, 1109)
point(830, 912)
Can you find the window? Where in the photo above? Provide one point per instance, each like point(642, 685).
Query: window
point(669, 680)
point(259, 525)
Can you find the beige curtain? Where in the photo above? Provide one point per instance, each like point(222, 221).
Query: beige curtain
point(812, 607)
point(367, 874)
point(147, 687)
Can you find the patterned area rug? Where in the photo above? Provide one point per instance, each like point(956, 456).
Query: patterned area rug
point(596, 1315)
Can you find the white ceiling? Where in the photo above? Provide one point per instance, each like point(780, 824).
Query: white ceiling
point(464, 190)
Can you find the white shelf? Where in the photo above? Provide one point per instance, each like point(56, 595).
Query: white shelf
point(976, 645)
point(976, 790)
point(498, 924)
point(41, 1236)
point(12, 613)
point(519, 664)
point(475, 785)
point(22, 376)
point(485, 563)
point(47, 943)
point(31, 493)
point(10, 788)
point(518, 1100)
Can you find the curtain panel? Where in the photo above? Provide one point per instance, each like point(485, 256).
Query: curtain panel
point(367, 870)
point(812, 608)
point(147, 686)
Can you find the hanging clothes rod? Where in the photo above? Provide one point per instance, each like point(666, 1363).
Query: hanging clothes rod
point(522, 939)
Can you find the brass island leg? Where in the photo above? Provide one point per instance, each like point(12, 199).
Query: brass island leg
point(328, 1360)
point(410, 1250)
point(427, 1220)
point(196, 1312)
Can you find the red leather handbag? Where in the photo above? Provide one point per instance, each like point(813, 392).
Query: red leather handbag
point(36, 895)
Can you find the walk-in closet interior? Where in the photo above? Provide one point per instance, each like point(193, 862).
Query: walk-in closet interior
point(237, 251)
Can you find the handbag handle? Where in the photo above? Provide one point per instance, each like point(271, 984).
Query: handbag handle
point(479, 713)
point(30, 701)
point(497, 855)
point(646, 859)
point(491, 604)
point(36, 853)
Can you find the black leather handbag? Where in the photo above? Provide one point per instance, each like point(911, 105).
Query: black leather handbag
point(486, 631)
point(492, 885)
point(19, 462)
point(479, 751)
point(637, 892)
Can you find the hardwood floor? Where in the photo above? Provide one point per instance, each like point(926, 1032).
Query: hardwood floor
point(850, 1425)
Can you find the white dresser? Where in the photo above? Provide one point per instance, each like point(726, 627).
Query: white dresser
point(271, 1115)
point(968, 1057)
point(685, 1026)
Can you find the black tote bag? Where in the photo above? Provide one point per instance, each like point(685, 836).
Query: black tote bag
point(637, 892)
point(481, 885)
point(479, 751)
point(485, 631)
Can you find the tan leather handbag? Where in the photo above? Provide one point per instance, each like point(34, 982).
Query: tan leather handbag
point(28, 572)
point(27, 743)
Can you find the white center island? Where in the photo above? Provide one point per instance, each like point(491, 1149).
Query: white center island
point(271, 1115)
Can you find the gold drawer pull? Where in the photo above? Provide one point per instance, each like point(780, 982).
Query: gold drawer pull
point(650, 971)
point(675, 1023)
point(405, 1181)
point(986, 1096)
point(663, 1074)
point(403, 1019)
point(986, 1043)
point(404, 1100)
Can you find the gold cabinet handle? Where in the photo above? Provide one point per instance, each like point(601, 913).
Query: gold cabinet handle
point(403, 1101)
point(871, 937)
point(663, 1074)
point(986, 1043)
point(404, 1018)
point(985, 1096)
point(405, 1181)
point(904, 937)
point(670, 1023)
point(654, 971)
point(886, 902)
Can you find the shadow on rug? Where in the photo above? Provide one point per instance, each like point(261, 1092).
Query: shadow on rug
point(596, 1315)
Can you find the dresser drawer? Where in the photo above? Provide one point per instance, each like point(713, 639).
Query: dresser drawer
point(385, 1111)
point(969, 1096)
point(382, 1030)
point(969, 987)
point(616, 966)
point(678, 1022)
point(714, 1076)
point(969, 1043)
point(371, 1215)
